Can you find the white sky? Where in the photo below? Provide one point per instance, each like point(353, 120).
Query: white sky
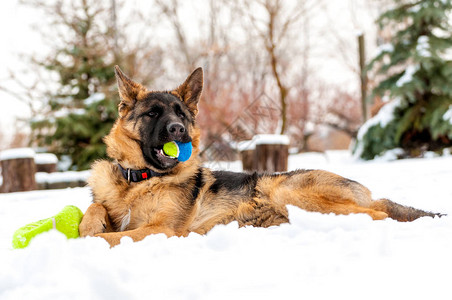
point(17, 36)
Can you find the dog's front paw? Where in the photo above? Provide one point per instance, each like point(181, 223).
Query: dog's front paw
point(94, 221)
point(91, 228)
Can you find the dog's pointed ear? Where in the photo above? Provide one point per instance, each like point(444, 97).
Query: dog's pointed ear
point(190, 91)
point(128, 90)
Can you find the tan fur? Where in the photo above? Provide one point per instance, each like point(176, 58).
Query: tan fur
point(176, 204)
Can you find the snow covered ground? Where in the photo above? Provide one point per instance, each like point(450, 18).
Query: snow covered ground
point(315, 257)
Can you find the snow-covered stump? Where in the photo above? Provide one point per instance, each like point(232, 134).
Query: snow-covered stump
point(46, 162)
point(18, 170)
point(272, 152)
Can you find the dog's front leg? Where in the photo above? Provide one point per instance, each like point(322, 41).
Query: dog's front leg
point(114, 238)
point(94, 221)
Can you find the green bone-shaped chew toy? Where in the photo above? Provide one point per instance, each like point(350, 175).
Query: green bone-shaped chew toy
point(66, 221)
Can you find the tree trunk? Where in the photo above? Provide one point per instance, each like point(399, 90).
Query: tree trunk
point(18, 175)
point(363, 76)
point(271, 49)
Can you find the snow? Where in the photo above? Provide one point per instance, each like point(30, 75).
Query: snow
point(386, 113)
point(423, 46)
point(271, 139)
point(64, 112)
point(246, 145)
point(415, 8)
point(45, 158)
point(387, 48)
point(358, 32)
point(391, 154)
point(94, 98)
point(408, 75)
point(263, 139)
point(68, 176)
point(17, 153)
point(315, 257)
point(64, 163)
point(448, 115)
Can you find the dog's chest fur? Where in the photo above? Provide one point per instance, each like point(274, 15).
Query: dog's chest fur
point(131, 206)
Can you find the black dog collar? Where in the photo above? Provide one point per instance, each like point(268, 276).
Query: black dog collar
point(138, 175)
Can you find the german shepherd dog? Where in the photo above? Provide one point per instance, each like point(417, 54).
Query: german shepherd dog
point(143, 191)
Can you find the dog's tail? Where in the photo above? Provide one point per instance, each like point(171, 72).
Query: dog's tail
point(400, 212)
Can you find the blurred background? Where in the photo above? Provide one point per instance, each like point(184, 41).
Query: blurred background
point(314, 70)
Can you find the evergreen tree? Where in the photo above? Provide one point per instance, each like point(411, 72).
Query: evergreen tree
point(83, 106)
point(417, 73)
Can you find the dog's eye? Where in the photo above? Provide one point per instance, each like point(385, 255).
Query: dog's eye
point(179, 112)
point(153, 114)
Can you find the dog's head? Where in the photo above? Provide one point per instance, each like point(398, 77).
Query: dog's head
point(149, 119)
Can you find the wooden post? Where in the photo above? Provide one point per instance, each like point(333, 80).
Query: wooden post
point(18, 170)
point(272, 153)
point(363, 75)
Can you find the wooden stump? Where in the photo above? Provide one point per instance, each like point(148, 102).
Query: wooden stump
point(18, 170)
point(272, 158)
point(46, 162)
point(272, 153)
point(265, 153)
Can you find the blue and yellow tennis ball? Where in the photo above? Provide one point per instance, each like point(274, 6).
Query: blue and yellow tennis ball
point(181, 151)
point(66, 221)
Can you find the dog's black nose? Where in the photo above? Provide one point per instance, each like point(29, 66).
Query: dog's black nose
point(175, 130)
